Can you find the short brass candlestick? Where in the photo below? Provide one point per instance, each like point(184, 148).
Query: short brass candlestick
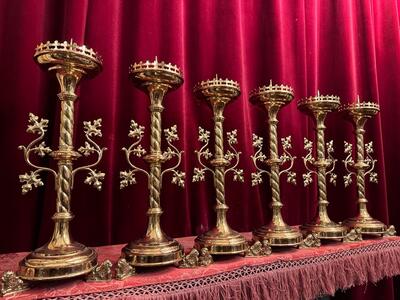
point(61, 257)
point(277, 233)
point(155, 79)
point(318, 107)
point(221, 239)
point(359, 113)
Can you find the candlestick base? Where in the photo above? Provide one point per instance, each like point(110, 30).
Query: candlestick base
point(278, 236)
point(367, 225)
point(221, 243)
point(325, 230)
point(50, 263)
point(145, 253)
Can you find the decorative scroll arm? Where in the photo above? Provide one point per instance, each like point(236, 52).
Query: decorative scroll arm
point(256, 177)
point(94, 177)
point(287, 157)
point(332, 161)
point(308, 162)
point(178, 177)
point(234, 154)
point(199, 174)
point(128, 177)
point(370, 161)
point(39, 147)
point(348, 162)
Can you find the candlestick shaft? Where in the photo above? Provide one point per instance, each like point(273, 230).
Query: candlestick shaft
point(360, 166)
point(154, 232)
point(274, 162)
point(321, 164)
point(63, 215)
point(219, 163)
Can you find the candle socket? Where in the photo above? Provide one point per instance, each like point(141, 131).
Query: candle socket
point(277, 232)
point(358, 113)
point(221, 239)
point(155, 248)
point(61, 257)
point(321, 166)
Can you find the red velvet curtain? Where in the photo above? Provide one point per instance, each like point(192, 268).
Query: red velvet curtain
point(347, 48)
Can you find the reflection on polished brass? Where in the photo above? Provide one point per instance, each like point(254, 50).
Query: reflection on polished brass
point(311, 240)
point(259, 249)
point(318, 107)
point(359, 113)
point(277, 233)
point(10, 283)
point(102, 272)
point(221, 239)
point(155, 249)
point(124, 270)
point(61, 257)
point(391, 231)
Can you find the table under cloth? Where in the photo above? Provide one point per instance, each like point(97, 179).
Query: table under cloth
point(289, 274)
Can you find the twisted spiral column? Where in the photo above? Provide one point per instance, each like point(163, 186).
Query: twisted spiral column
point(219, 178)
point(273, 148)
point(156, 97)
point(360, 166)
point(321, 167)
point(274, 165)
point(65, 144)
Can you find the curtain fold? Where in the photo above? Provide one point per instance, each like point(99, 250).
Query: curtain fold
point(347, 48)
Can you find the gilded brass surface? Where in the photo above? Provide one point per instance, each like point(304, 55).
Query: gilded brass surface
point(259, 249)
point(218, 93)
point(354, 235)
point(195, 259)
point(358, 113)
point(61, 257)
point(124, 269)
point(155, 79)
point(321, 166)
point(10, 284)
point(311, 240)
point(277, 233)
point(102, 272)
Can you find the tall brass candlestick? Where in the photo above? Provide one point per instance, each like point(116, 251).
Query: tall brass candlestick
point(156, 79)
point(359, 113)
point(221, 239)
point(318, 107)
point(61, 257)
point(277, 233)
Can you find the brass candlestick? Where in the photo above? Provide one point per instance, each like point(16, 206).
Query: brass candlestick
point(318, 107)
point(221, 239)
point(61, 257)
point(359, 113)
point(277, 233)
point(156, 79)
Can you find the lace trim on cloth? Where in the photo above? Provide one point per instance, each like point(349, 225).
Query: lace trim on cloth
point(304, 278)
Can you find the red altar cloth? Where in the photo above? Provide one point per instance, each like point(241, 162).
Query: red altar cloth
point(289, 274)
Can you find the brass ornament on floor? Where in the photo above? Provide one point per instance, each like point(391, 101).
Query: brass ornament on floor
point(358, 113)
point(61, 257)
point(156, 248)
point(321, 166)
point(218, 93)
point(277, 233)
